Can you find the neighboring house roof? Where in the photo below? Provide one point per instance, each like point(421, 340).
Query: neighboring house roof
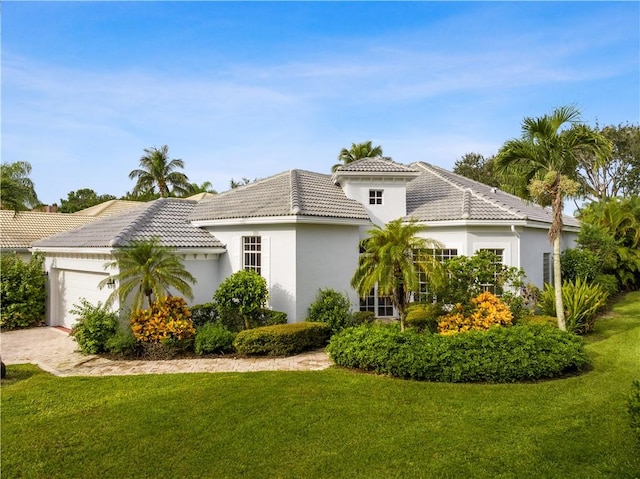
point(165, 218)
point(19, 231)
point(292, 193)
point(107, 208)
point(376, 165)
point(439, 195)
point(200, 196)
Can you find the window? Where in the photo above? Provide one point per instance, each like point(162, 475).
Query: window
point(252, 253)
point(497, 268)
point(422, 295)
point(547, 268)
point(381, 306)
point(375, 197)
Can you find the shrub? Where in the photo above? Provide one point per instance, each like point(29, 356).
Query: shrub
point(423, 316)
point(362, 317)
point(608, 282)
point(332, 308)
point(282, 339)
point(96, 324)
point(519, 353)
point(168, 321)
point(579, 263)
point(213, 338)
point(634, 408)
point(22, 291)
point(487, 311)
point(540, 319)
point(582, 303)
point(242, 295)
point(202, 314)
point(469, 275)
point(122, 343)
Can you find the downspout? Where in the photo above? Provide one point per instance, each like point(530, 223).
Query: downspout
point(517, 235)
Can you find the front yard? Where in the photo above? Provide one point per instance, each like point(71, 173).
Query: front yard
point(332, 424)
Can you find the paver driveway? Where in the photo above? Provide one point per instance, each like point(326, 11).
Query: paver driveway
point(55, 351)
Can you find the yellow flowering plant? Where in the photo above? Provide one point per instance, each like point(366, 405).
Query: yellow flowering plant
point(168, 320)
point(487, 311)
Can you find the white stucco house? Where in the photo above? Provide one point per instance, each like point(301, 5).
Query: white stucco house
point(301, 231)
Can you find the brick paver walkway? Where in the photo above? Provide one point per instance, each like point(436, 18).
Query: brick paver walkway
point(56, 352)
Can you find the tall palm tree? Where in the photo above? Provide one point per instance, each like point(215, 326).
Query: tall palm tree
point(17, 191)
point(147, 269)
point(392, 260)
point(546, 158)
point(157, 170)
point(204, 187)
point(357, 151)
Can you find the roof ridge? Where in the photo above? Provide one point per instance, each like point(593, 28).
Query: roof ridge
point(293, 187)
point(144, 213)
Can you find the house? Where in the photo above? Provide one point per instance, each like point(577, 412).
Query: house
point(19, 230)
point(301, 231)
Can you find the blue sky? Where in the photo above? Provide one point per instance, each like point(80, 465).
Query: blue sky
point(253, 89)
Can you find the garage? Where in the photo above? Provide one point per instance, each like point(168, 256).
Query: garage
point(72, 286)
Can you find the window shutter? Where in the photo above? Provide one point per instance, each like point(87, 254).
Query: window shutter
point(236, 254)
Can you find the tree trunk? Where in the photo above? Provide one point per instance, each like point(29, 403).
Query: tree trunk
point(557, 280)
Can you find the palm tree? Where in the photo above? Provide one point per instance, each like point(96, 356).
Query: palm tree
point(357, 151)
point(157, 170)
point(392, 260)
point(147, 269)
point(204, 187)
point(546, 158)
point(17, 191)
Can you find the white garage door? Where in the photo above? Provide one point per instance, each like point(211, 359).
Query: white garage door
point(73, 285)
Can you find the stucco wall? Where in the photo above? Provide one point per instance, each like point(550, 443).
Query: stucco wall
point(326, 257)
point(394, 199)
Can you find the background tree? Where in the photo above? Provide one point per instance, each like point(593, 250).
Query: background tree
point(547, 157)
point(17, 191)
point(204, 187)
point(148, 270)
point(617, 174)
point(157, 170)
point(391, 260)
point(476, 167)
point(611, 230)
point(357, 151)
point(242, 182)
point(81, 199)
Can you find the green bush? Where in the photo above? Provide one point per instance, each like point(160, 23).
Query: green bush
point(214, 338)
point(122, 343)
point(634, 408)
point(423, 316)
point(540, 319)
point(202, 314)
point(22, 291)
point(579, 263)
point(518, 353)
point(608, 282)
point(332, 308)
point(282, 339)
point(582, 303)
point(96, 324)
point(241, 296)
point(362, 317)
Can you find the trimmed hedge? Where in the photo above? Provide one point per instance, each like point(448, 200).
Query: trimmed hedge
point(517, 353)
point(282, 339)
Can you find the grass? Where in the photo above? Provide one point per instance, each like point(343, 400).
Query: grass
point(328, 424)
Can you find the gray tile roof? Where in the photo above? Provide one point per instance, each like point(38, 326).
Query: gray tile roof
point(439, 195)
point(376, 165)
point(294, 192)
point(165, 218)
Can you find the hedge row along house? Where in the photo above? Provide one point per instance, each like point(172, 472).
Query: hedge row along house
point(301, 231)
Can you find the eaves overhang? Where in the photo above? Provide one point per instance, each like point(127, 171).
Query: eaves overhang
point(288, 219)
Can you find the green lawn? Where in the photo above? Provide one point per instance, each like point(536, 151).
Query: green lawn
point(331, 424)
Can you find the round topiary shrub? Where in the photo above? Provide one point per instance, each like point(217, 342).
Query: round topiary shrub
point(332, 308)
point(517, 353)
